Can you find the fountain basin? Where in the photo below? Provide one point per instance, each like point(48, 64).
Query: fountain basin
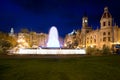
point(51, 51)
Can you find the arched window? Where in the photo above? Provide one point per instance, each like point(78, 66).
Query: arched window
point(91, 41)
point(109, 23)
point(104, 23)
point(91, 37)
point(104, 33)
point(108, 33)
point(94, 40)
point(104, 39)
point(109, 39)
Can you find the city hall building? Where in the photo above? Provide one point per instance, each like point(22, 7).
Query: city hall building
point(107, 35)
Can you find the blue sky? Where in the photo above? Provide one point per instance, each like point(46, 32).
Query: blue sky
point(66, 15)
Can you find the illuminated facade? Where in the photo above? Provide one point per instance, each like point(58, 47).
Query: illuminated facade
point(32, 39)
point(107, 35)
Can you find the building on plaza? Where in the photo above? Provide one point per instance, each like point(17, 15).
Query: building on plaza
point(32, 39)
point(107, 35)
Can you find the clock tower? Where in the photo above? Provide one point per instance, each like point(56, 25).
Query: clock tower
point(85, 21)
point(85, 29)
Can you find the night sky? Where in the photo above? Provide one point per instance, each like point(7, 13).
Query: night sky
point(66, 15)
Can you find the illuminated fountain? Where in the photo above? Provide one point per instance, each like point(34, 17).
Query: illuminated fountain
point(53, 46)
point(53, 41)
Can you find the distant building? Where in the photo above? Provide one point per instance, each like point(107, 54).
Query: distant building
point(11, 32)
point(108, 34)
point(33, 39)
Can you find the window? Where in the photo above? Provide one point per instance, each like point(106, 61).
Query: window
point(88, 38)
point(87, 41)
point(108, 33)
point(94, 40)
point(109, 23)
point(109, 39)
point(87, 31)
point(104, 46)
point(104, 23)
point(104, 39)
point(104, 33)
point(91, 37)
point(90, 41)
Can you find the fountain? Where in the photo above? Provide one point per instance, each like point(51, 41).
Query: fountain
point(53, 46)
point(53, 39)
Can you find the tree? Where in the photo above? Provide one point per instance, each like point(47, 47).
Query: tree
point(4, 46)
point(6, 42)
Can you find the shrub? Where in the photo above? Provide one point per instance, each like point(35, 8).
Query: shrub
point(4, 46)
point(93, 51)
point(106, 50)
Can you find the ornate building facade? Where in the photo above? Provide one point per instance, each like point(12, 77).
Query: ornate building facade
point(108, 34)
point(33, 40)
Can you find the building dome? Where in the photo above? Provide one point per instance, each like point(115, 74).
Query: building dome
point(106, 13)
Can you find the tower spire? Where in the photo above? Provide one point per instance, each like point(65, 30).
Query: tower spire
point(85, 20)
point(11, 32)
point(106, 19)
point(106, 9)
